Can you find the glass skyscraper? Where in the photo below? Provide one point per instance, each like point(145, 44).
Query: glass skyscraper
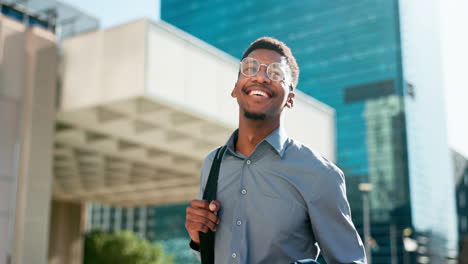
point(350, 56)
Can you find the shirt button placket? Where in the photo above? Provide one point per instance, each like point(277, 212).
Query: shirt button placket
point(238, 223)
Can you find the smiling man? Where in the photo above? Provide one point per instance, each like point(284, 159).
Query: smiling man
point(278, 201)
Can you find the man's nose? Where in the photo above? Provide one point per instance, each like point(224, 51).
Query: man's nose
point(262, 76)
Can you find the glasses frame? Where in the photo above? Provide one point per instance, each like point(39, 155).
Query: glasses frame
point(281, 66)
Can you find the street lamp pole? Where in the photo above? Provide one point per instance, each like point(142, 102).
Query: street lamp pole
point(393, 246)
point(365, 188)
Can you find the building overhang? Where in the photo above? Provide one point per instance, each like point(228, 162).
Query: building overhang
point(132, 152)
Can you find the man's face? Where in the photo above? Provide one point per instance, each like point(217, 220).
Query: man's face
point(259, 97)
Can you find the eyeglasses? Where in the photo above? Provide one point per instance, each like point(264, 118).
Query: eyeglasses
point(275, 71)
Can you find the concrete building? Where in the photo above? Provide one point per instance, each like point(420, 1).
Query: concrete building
point(124, 117)
point(28, 66)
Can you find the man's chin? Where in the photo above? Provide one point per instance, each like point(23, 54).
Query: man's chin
point(254, 116)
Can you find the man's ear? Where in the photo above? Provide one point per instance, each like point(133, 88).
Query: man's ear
point(233, 94)
point(290, 101)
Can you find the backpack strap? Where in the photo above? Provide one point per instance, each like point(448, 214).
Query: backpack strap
point(207, 240)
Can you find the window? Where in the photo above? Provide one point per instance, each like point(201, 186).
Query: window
point(462, 199)
point(463, 223)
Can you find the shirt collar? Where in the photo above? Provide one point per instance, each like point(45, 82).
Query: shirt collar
point(277, 139)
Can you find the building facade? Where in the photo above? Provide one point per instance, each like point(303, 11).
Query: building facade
point(461, 185)
point(364, 59)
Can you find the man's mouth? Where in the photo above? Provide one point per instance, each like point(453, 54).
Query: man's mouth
point(258, 92)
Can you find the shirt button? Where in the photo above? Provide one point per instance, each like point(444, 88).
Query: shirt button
point(239, 222)
point(244, 191)
point(248, 161)
point(234, 255)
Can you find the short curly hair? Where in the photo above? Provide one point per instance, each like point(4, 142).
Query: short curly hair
point(280, 47)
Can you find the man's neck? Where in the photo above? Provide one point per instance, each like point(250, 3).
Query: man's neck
point(252, 132)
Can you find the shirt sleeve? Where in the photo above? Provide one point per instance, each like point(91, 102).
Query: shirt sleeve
point(205, 171)
point(331, 221)
point(195, 250)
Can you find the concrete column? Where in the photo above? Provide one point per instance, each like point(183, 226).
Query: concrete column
point(12, 68)
point(28, 77)
point(66, 233)
point(36, 142)
point(8, 150)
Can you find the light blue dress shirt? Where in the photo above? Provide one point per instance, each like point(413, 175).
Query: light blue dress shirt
point(279, 203)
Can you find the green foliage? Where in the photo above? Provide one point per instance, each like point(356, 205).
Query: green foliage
point(122, 247)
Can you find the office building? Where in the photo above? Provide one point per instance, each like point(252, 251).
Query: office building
point(461, 187)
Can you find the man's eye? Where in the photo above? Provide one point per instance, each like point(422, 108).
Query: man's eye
point(251, 69)
point(276, 73)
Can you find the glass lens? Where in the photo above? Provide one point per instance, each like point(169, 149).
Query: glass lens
point(250, 66)
point(275, 72)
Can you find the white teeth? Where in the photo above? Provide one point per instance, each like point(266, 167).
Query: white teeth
point(259, 93)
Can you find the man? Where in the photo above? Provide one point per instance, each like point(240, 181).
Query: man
point(277, 198)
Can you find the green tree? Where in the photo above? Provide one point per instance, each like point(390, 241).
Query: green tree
point(122, 247)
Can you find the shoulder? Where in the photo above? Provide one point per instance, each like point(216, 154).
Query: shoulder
point(206, 165)
point(315, 171)
point(303, 153)
point(210, 157)
point(208, 161)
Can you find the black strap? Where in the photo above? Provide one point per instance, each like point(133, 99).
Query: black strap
point(207, 240)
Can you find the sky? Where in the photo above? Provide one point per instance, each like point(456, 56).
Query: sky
point(455, 65)
point(116, 12)
point(454, 40)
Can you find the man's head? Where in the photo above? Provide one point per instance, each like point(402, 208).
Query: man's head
point(281, 48)
point(268, 74)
